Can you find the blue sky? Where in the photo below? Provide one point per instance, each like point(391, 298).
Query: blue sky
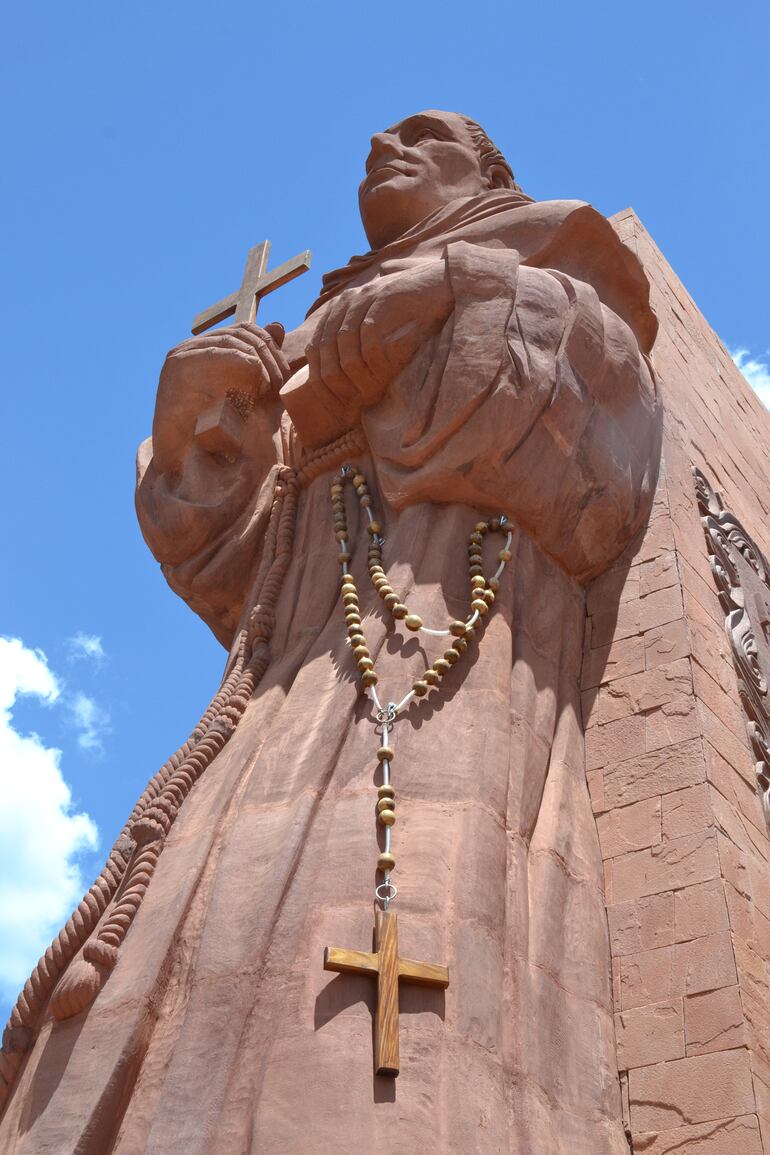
point(145, 148)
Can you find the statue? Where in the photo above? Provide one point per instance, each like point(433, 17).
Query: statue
point(484, 368)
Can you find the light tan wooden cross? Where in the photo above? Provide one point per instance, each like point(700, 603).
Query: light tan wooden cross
point(256, 284)
point(384, 964)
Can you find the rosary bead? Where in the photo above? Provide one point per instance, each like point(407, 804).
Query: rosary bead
point(374, 527)
point(362, 651)
point(476, 537)
point(385, 754)
point(481, 527)
point(387, 817)
point(494, 524)
point(504, 555)
point(494, 585)
point(441, 666)
point(385, 792)
point(413, 622)
point(420, 688)
point(353, 618)
point(451, 656)
point(365, 664)
point(350, 598)
point(369, 678)
point(359, 479)
point(357, 639)
point(400, 611)
point(376, 570)
point(489, 597)
point(391, 600)
point(460, 644)
point(341, 535)
point(431, 677)
point(480, 606)
point(366, 501)
point(475, 571)
point(458, 629)
point(386, 862)
point(344, 555)
point(387, 802)
point(478, 582)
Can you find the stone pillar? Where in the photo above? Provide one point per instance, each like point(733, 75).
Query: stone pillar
point(671, 773)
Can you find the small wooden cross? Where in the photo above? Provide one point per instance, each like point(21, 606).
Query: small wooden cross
point(388, 968)
point(256, 284)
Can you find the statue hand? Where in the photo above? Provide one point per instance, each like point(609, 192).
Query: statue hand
point(370, 333)
point(200, 371)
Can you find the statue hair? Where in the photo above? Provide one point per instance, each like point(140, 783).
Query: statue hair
point(489, 154)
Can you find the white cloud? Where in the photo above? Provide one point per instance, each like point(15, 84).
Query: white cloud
point(91, 720)
point(40, 836)
point(756, 370)
point(86, 646)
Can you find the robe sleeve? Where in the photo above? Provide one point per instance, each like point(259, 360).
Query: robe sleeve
point(535, 400)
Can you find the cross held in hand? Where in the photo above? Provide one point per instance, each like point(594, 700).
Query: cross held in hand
point(385, 964)
point(257, 282)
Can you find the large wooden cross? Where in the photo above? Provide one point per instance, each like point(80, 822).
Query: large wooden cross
point(256, 284)
point(385, 964)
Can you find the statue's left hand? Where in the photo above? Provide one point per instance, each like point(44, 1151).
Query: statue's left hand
point(370, 333)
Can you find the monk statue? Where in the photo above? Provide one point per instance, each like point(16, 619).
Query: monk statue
point(480, 377)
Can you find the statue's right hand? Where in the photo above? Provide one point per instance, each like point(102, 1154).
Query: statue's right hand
point(202, 370)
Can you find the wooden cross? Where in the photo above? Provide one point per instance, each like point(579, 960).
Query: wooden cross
point(256, 284)
point(385, 964)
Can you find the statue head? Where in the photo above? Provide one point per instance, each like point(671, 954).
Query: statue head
point(422, 164)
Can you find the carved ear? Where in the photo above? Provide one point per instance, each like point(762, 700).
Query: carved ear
point(497, 177)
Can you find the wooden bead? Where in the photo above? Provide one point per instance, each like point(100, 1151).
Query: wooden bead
point(458, 629)
point(380, 581)
point(376, 570)
point(366, 501)
point(341, 535)
point(387, 817)
point(344, 555)
point(451, 656)
point(365, 664)
point(504, 555)
point(386, 862)
point(480, 606)
point(362, 651)
point(391, 600)
point(386, 791)
point(481, 527)
point(352, 616)
point(494, 524)
point(359, 479)
point(413, 622)
point(350, 598)
point(431, 677)
point(385, 754)
point(475, 570)
point(400, 611)
point(460, 644)
point(489, 597)
point(420, 688)
point(337, 489)
point(357, 639)
point(476, 537)
point(369, 678)
point(374, 527)
point(478, 582)
point(494, 585)
point(441, 666)
point(384, 589)
point(386, 803)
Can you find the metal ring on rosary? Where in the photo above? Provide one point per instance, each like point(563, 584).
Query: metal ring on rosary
point(387, 898)
point(388, 714)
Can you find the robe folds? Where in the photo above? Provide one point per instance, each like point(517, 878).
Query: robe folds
point(219, 1030)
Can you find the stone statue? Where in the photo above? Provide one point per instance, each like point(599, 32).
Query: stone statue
point(488, 356)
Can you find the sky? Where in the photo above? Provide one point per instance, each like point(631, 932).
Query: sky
point(146, 147)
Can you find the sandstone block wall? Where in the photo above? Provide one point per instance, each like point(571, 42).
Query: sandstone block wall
point(686, 851)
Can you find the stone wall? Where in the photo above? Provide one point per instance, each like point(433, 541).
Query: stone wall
point(687, 855)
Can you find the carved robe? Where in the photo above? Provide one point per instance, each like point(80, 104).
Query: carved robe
point(219, 1030)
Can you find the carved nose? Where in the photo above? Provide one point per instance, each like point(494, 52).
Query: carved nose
point(382, 145)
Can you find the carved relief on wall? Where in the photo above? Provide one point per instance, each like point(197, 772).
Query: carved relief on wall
point(742, 576)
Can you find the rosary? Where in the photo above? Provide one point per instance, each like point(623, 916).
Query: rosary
point(384, 963)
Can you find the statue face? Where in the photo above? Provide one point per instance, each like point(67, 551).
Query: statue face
point(414, 168)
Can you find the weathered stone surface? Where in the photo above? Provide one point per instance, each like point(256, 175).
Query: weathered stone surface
point(714, 1021)
point(686, 1091)
point(737, 1136)
point(700, 910)
point(665, 644)
point(650, 1034)
point(672, 865)
point(641, 924)
point(630, 828)
point(686, 811)
point(633, 776)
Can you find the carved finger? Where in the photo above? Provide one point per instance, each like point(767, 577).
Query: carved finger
point(351, 357)
point(324, 344)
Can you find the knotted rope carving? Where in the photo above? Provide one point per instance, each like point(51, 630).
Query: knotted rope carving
point(131, 863)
